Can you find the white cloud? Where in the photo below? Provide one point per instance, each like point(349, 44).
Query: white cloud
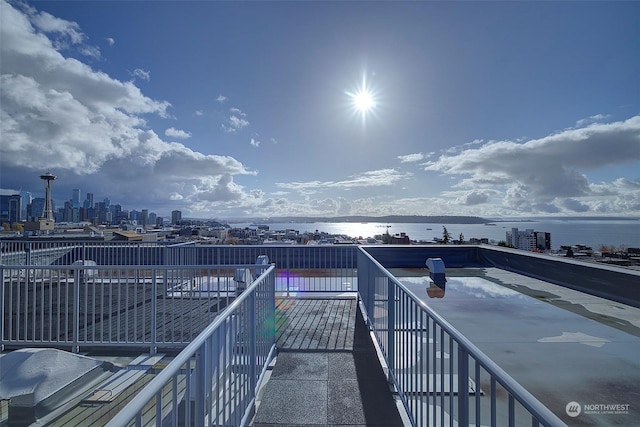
point(177, 133)
point(221, 99)
point(110, 41)
point(63, 34)
point(235, 123)
point(574, 205)
point(375, 178)
point(141, 74)
point(380, 177)
point(410, 158)
point(48, 23)
point(28, 55)
point(592, 119)
point(58, 113)
point(469, 197)
point(199, 113)
point(545, 174)
point(254, 142)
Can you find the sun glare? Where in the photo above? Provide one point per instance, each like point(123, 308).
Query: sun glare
point(363, 101)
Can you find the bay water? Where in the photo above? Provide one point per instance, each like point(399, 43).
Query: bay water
point(591, 232)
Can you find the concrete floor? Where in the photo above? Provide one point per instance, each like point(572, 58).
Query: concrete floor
point(326, 372)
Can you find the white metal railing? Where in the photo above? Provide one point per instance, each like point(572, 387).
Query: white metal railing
point(167, 300)
point(214, 380)
point(48, 251)
point(441, 377)
point(300, 268)
point(85, 305)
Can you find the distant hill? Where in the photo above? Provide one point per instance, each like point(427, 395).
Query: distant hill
point(439, 219)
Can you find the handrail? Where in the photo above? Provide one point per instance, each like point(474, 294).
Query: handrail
point(524, 397)
point(305, 258)
point(124, 298)
point(136, 405)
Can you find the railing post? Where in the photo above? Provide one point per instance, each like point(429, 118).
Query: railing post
point(200, 373)
point(2, 302)
point(154, 313)
point(253, 357)
point(288, 270)
point(76, 310)
point(463, 387)
point(391, 320)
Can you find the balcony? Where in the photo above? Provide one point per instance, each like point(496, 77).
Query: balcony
point(349, 334)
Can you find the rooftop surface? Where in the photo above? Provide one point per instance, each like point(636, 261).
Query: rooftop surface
point(561, 345)
point(327, 370)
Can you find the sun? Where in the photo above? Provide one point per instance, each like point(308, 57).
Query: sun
point(363, 100)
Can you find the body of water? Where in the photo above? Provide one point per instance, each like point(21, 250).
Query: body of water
point(591, 232)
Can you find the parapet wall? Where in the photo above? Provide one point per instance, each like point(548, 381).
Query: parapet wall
point(415, 256)
point(613, 283)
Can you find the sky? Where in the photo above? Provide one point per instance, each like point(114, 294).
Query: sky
point(248, 109)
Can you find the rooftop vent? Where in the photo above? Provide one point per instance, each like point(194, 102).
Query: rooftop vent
point(437, 277)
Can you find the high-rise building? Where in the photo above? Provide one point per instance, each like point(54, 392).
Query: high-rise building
point(4, 207)
point(36, 210)
point(176, 217)
point(26, 201)
point(144, 217)
point(529, 239)
point(152, 218)
point(88, 202)
point(75, 198)
point(15, 208)
point(67, 213)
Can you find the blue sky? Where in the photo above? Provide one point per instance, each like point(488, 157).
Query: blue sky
point(231, 109)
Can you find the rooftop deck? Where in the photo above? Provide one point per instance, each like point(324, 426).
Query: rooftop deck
point(327, 370)
point(346, 342)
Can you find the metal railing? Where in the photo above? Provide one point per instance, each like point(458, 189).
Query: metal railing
point(300, 268)
point(89, 306)
point(48, 251)
point(167, 301)
point(214, 380)
point(441, 377)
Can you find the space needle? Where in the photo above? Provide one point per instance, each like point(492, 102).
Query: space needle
point(47, 211)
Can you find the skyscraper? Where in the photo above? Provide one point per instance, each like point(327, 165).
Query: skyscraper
point(88, 203)
point(176, 217)
point(15, 208)
point(76, 198)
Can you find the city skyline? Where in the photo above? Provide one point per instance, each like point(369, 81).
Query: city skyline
point(225, 110)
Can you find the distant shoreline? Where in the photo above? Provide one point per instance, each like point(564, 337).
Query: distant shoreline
point(426, 219)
